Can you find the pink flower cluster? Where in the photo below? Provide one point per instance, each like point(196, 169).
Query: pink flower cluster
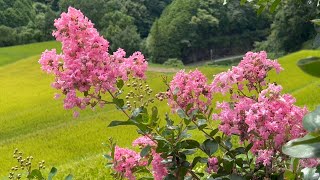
point(126, 160)
point(85, 65)
point(310, 163)
point(143, 141)
point(189, 88)
point(268, 123)
point(250, 72)
point(213, 165)
point(264, 116)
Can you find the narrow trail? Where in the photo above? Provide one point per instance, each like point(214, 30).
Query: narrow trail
point(162, 69)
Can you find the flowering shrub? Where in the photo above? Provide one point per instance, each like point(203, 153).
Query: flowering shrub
point(258, 115)
point(264, 117)
point(86, 65)
point(189, 89)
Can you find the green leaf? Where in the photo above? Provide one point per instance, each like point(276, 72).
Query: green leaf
point(146, 178)
point(154, 115)
point(316, 21)
point(168, 120)
point(118, 102)
point(289, 175)
point(274, 5)
point(239, 162)
point(190, 144)
point(306, 147)
point(121, 123)
point(214, 132)
point(210, 113)
point(260, 10)
point(311, 122)
point(209, 146)
point(189, 151)
point(310, 174)
point(242, 2)
point(69, 177)
point(120, 83)
point(187, 121)
point(145, 151)
point(52, 173)
point(228, 143)
point(236, 177)
point(195, 161)
point(136, 112)
point(228, 165)
point(202, 123)
point(107, 156)
point(249, 147)
point(189, 106)
point(191, 127)
point(295, 164)
point(181, 114)
point(35, 174)
point(240, 150)
point(182, 171)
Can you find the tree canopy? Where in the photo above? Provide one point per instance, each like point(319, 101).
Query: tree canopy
point(190, 30)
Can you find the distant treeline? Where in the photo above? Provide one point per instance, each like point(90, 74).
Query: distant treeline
point(190, 30)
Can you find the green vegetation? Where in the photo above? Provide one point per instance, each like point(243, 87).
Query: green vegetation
point(124, 22)
point(190, 30)
point(34, 122)
point(174, 62)
point(282, 38)
point(15, 53)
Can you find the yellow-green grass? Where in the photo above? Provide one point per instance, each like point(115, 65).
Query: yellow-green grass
point(15, 53)
point(31, 120)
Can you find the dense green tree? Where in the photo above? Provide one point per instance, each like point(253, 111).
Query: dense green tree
point(8, 36)
point(144, 12)
point(175, 30)
point(291, 27)
point(155, 43)
point(18, 13)
point(49, 16)
point(40, 8)
point(121, 31)
point(191, 29)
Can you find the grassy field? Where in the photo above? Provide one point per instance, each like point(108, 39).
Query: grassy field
point(31, 120)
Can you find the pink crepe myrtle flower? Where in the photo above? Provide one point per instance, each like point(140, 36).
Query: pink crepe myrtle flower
point(189, 88)
point(213, 165)
point(264, 157)
point(50, 61)
point(85, 65)
point(159, 169)
point(268, 123)
point(251, 71)
point(263, 116)
point(310, 163)
point(125, 160)
point(143, 141)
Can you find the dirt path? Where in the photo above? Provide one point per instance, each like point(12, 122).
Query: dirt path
point(162, 69)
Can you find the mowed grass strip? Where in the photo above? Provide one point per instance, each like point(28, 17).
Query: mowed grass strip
point(31, 120)
point(14, 53)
